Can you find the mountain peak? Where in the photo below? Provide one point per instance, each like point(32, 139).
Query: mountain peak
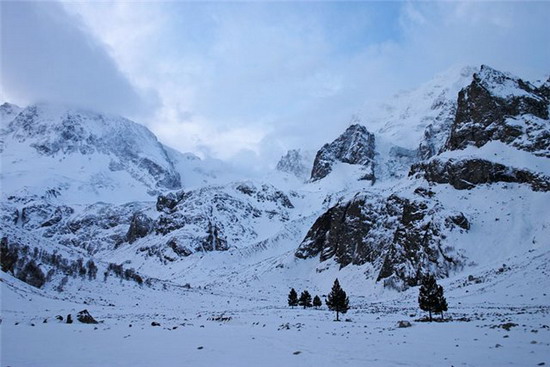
point(99, 148)
point(502, 84)
point(355, 146)
point(296, 162)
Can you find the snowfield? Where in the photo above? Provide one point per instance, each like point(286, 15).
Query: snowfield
point(498, 319)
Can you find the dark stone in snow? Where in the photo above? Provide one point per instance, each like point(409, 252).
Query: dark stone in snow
point(403, 324)
point(85, 317)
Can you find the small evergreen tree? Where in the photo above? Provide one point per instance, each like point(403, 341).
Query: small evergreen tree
point(317, 302)
point(430, 297)
point(305, 299)
point(293, 298)
point(441, 302)
point(337, 300)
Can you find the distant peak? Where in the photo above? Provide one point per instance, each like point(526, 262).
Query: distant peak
point(356, 128)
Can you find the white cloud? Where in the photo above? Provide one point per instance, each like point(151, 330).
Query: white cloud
point(47, 55)
point(235, 79)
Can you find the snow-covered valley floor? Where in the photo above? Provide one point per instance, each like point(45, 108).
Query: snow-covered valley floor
point(500, 318)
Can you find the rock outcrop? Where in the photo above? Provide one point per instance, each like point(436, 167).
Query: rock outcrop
point(140, 226)
point(355, 146)
point(403, 239)
point(465, 174)
point(499, 106)
point(85, 317)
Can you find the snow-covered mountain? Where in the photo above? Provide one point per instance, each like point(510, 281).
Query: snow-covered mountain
point(81, 155)
point(421, 118)
point(454, 164)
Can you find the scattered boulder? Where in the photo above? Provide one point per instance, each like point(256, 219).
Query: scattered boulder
point(85, 317)
point(403, 324)
point(69, 319)
point(154, 323)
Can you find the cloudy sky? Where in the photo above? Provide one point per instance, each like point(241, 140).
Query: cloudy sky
point(246, 81)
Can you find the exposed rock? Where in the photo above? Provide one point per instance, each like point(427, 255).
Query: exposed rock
point(214, 242)
point(140, 226)
point(544, 89)
point(265, 193)
point(85, 317)
point(179, 250)
point(165, 203)
point(69, 319)
point(354, 146)
point(403, 324)
point(59, 213)
point(460, 220)
point(465, 174)
point(403, 239)
point(498, 106)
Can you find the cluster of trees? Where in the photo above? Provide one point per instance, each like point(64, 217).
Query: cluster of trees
point(126, 274)
point(27, 264)
point(431, 298)
point(337, 300)
point(304, 300)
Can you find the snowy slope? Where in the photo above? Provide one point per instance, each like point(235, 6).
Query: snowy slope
point(83, 156)
point(421, 116)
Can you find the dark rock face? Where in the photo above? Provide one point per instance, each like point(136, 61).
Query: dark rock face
point(354, 146)
point(214, 242)
point(140, 226)
point(544, 89)
point(85, 317)
point(178, 249)
point(402, 238)
point(165, 203)
point(467, 173)
point(498, 106)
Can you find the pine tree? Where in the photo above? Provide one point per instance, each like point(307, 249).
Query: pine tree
point(293, 298)
point(317, 302)
point(441, 302)
point(430, 297)
point(305, 299)
point(337, 300)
